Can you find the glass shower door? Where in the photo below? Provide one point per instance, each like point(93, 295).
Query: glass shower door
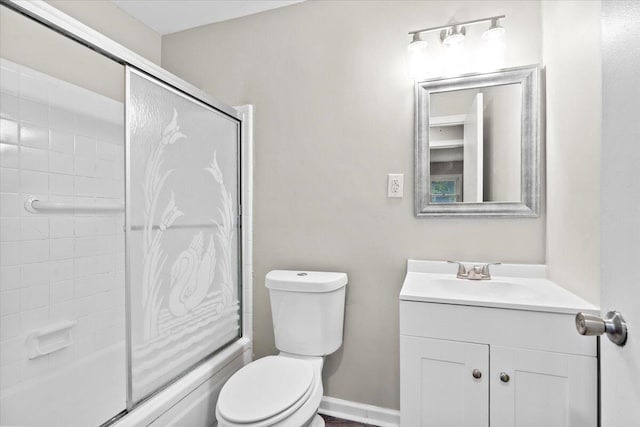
point(182, 232)
point(62, 263)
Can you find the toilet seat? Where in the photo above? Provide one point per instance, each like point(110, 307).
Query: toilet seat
point(266, 391)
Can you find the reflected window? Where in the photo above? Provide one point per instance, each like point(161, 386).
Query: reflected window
point(446, 188)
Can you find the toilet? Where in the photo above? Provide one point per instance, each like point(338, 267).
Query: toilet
point(285, 390)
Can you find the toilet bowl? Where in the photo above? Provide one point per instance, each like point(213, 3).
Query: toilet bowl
point(283, 391)
point(286, 390)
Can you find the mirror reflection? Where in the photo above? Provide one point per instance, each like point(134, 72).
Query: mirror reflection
point(475, 145)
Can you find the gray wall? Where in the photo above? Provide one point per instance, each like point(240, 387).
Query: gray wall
point(29, 43)
point(501, 129)
point(334, 115)
point(36, 46)
point(573, 78)
point(104, 16)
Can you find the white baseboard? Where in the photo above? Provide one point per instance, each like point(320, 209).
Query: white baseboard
point(359, 412)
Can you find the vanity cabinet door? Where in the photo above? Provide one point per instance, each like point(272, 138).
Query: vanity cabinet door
point(536, 388)
point(438, 387)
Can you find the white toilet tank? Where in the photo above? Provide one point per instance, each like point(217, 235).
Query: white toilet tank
point(308, 310)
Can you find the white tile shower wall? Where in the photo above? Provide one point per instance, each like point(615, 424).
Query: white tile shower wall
point(63, 143)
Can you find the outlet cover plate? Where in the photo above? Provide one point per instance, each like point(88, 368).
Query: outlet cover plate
point(395, 185)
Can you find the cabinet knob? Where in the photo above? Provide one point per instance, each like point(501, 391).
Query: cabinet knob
point(476, 374)
point(504, 377)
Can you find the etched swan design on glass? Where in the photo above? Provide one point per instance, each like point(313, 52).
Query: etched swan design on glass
point(192, 275)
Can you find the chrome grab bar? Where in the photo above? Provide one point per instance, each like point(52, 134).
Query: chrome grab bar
point(34, 205)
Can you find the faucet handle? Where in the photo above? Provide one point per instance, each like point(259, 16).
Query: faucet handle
point(485, 269)
point(462, 271)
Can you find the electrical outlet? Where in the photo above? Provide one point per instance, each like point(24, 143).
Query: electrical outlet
point(395, 184)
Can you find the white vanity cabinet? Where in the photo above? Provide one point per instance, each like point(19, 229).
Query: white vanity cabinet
point(468, 365)
point(478, 379)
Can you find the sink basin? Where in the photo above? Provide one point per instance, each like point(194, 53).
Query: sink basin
point(513, 286)
point(461, 288)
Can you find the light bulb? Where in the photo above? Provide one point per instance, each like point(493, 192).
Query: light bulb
point(456, 60)
point(454, 38)
point(417, 60)
point(495, 31)
point(493, 47)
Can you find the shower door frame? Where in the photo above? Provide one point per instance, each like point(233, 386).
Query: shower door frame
point(58, 21)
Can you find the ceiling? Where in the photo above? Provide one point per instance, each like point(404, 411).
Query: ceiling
point(170, 16)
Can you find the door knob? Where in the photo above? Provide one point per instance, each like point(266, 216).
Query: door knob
point(613, 325)
point(504, 377)
point(476, 374)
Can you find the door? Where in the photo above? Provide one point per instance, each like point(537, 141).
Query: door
point(440, 387)
point(473, 152)
point(536, 388)
point(620, 209)
point(182, 232)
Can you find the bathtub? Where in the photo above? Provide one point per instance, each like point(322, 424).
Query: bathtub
point(62, 398)
point(190, 400)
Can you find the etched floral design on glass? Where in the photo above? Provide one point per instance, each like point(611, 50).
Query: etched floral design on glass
point(182, 232)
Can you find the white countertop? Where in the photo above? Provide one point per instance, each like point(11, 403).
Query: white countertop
point(512, 286)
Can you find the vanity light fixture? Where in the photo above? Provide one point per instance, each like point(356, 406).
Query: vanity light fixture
point(452, 37)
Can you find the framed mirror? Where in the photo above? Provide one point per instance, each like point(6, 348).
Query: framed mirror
point(477, 145)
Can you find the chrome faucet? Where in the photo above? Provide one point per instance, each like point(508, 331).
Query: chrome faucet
point(476, 272)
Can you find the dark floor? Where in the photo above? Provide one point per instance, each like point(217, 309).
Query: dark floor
point(337, 422)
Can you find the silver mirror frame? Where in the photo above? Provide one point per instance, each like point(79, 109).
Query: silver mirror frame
point(529, 205)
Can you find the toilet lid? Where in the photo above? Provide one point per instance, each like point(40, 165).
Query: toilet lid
point(264, 388)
